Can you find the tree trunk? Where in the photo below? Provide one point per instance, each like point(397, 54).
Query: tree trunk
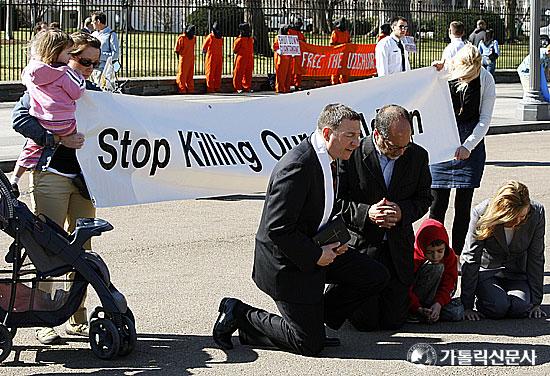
point(254, 15)
point(394, 8)
point(82, 13)
point(320, 24)
point(510, 20)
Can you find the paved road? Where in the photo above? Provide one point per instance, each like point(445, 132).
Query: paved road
point(174, 261)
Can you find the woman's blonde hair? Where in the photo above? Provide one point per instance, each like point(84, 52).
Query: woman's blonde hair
point(504, 207)
point(48, 44)
point(466, 66)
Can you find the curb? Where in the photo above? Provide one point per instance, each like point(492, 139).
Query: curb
point(8, 165)
point(519, 128)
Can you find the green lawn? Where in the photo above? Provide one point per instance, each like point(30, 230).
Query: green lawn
point(151, 54)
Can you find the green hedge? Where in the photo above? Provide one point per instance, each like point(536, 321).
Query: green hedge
point(439, 23)
point(228, 16)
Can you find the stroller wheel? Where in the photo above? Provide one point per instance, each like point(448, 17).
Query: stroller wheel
point(104, 338)
point(128, 336)
point(5, 342)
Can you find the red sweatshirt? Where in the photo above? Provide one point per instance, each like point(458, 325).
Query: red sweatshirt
point(429, 231)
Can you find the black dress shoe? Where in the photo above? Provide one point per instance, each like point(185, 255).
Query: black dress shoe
point(332, 342)
point(226, 324)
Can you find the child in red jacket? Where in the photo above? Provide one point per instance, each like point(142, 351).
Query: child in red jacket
point(436, 276)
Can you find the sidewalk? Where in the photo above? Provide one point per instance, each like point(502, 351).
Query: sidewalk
point(504, 121)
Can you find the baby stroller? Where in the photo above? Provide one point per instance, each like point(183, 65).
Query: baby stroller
point(35, 291)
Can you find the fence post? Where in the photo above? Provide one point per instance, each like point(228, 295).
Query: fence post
point(9, 23)
point(419, 44)
point(126, 61)
point(355, 18)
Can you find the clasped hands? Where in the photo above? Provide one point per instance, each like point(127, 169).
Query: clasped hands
point(385, 213)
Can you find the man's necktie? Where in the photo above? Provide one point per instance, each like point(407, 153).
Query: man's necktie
point(334, 169)
point(402, 48)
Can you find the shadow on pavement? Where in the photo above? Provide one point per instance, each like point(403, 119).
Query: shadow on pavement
point(391, 345)
point(517, 164)
point(162, 354)
point(259, 197)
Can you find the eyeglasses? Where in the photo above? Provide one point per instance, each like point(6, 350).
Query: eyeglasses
point(403, 27)
point(86, 62)
point(392, 147)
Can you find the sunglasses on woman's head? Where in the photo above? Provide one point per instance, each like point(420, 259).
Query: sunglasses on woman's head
point(87, 62)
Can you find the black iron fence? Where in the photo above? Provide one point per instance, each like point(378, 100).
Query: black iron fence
point(148, 29)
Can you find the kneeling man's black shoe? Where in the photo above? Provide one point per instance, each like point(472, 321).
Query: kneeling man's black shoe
point(226, 324)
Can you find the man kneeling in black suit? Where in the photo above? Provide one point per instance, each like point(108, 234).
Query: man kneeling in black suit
point(288, 265)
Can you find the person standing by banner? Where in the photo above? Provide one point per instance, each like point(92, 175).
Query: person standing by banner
point(212, 49)
point(391, 55)
point(289, 265)
point(283, 65)
point(340, 35)
point(297, 70)
point(243, 48)
point(473, 96)
point(185, 49)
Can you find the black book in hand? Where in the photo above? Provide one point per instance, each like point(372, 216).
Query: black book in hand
point(332, 232)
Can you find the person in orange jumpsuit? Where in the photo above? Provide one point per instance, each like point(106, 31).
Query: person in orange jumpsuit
point(185, 49)
point(297, 70)
point(243, 48)
point(283, 65)
point(212, 48)
point(340, 35)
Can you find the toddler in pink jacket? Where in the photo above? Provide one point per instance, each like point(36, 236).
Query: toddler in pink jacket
point(53, 90)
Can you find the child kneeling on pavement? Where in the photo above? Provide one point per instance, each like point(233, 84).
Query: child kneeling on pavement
point(436, 276)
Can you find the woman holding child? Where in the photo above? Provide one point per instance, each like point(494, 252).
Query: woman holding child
point(52, 186)
point(503, 259)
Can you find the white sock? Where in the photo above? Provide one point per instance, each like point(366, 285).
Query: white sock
point(14, 179)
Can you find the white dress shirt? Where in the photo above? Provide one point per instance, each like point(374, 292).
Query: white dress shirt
point(388, 57)
point(320, 147)
point(452, 48)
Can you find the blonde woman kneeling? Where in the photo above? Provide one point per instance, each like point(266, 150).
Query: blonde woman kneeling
point(503, 259)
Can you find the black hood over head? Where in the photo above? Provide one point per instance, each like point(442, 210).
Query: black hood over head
point(341, 24)
point(216, 30)
point(190, 31)
point(297, 23)
point(244, 29)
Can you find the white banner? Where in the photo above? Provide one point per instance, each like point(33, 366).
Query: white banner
point(149, 149)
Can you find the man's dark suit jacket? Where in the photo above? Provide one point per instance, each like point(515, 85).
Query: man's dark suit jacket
point(361, 184)
point(285, 257)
